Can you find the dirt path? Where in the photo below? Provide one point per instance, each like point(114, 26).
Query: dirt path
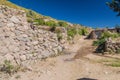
point(71, 66)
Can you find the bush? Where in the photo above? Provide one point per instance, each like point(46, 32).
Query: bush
point(104, 36)
point(29, 20)
point(101, 42)
point(83, 31)
point(118, 51)
point(59, 36)
point(62, 24)
point(39, 21)
point(31, 14)
point(71, 32)
point(98, 42)
point(51, 23)
point(108, 34)
point(52, 29)
point(9, 68)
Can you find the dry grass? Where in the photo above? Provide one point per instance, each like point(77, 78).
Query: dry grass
point(12, 5)
point(110, 62)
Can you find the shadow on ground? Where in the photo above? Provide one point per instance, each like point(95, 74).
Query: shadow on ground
point(86, 79)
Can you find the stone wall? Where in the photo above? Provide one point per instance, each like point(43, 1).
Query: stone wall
point(112, 46)
point(60, 31)
point(19, 43)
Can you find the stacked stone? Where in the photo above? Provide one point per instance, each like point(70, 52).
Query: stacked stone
point(19, 43)
point(112, 46)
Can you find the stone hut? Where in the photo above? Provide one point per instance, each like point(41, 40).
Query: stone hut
point(96, 34)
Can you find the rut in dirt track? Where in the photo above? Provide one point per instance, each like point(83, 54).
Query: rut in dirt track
point(84, 50)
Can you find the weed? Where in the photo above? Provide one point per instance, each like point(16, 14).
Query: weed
point(9, 68)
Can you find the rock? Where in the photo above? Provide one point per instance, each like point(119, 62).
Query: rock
point(4, 50)
point(55, 51)
point(23, 57)
point(14, 19)
point(22, 39)
point(1, 24)
point(60, 49)
point(35, 42)
point(9, 57)
point(10, 24)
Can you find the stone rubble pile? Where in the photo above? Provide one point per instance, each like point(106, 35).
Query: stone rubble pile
point(19, 43)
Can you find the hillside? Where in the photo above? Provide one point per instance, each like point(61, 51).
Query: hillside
point(32, 15)
point(38, 19)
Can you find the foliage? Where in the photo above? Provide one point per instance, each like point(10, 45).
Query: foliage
point(108, 34)
point(12, 5)
point(71, 32)
point(39, 21)
point(118, 51)
point(83, 31)
point(52, 29)
point(98, 42)
point(115, 6)
point(51, 23)
point(62, 23)
point(104, 36)
point(9, 68)
point(59, 36)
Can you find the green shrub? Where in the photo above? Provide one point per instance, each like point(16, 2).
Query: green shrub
point(31, 14)
point(62, 24)
point(39, 21)
point(83, 31)
point(118, 51)
point(108, 34)
point(29, 20)
point(51, 23)
point(104, 36)
point(9, 68)
point(71, 32)
point(59, 36)
point(52, 29)
point(98, 42)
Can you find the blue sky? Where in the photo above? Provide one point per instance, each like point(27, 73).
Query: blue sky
point(93, 13)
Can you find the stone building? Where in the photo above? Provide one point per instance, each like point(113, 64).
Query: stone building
point(96, 34)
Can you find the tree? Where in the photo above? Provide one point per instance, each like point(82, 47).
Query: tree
point(115, 6)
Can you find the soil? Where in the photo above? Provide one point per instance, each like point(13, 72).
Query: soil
point(80, 64)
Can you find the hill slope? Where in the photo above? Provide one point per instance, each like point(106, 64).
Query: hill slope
point(38, 19)
point(32, 15)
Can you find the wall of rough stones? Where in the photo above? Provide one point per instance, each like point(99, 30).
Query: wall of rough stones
point(112, 46)
point(60, 31)
point(19, 43)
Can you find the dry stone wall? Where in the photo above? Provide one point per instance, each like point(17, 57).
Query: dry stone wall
point(112, 46)
point(19, 43)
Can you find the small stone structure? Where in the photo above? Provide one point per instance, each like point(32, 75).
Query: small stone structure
point(112, 46)
point(21, 44)
point(96, 34)
point(109, 46)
